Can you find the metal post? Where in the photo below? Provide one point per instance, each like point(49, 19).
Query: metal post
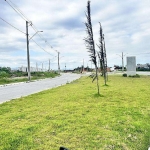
point(49, 64)
point(58, 63)
point(122, 63)
point(65, 67)
point(36, 67)
point(83, 65)
point(28, 55)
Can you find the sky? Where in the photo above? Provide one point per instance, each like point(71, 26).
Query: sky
point(126, 26)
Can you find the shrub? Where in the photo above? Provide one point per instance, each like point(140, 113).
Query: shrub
point(135, 76)
point(3, 74)
point(124, 75)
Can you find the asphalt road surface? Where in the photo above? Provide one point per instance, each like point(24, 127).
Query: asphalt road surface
point(13, 91)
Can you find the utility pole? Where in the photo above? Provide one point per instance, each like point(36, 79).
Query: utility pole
point(87, 68)
point(65, 67)
point(122, 57)
point(83, 65)
point(36, 67)
point(122, 63)
point(58, 63)
point(49, 64)
point(42, 67)
point(28, 55)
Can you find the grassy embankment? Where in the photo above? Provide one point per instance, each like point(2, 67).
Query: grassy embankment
point(23, 77)
point(76, 117)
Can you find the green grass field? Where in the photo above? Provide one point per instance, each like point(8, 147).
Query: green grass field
point(76, 117)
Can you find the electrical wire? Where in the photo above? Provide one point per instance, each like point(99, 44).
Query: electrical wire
point(16, 11)
point(25, 34)
point(35, 29)
point(19, 10)
point(12, 26)
point(41, 47)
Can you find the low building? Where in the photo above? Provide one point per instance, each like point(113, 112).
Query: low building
point(145, 66)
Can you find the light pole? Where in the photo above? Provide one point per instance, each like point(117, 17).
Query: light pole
point(49, 65)
point(65, 67)
point(83, 66)
point(28, 54)
point(122, 60)
point(36, 67)
point(34, 34)
point(58, 61)
point(50, 60)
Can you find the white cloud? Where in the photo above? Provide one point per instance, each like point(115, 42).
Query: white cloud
point(125, 25)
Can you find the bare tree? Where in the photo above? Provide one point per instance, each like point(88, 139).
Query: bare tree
point(90, 43)
point(102, 55)
point(105, 62)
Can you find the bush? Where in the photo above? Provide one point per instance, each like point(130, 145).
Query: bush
point(135, 76)
point(3, 74)
point(124, 75)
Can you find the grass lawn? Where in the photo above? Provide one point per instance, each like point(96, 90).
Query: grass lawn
point(74, 116)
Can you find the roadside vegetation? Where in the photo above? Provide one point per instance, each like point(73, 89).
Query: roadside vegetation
point(76, 117)
point(8, 76)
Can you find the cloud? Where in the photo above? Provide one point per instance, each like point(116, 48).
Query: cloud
point(125, 25)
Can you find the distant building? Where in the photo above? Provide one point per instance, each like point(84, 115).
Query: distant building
point(32, 69)
point(145, 66)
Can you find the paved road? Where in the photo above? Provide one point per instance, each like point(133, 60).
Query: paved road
point(23, 89)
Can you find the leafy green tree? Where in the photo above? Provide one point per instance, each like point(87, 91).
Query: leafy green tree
point(6, 69)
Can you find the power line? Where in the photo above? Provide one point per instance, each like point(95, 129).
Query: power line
point(16, 9)
point(41, 47)
point(26, 19)
point(19, 10)
point(12, 26)
point(22, 16)
point(33, 26)
point(25, 34)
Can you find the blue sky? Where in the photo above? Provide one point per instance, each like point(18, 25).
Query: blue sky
point(126, 25)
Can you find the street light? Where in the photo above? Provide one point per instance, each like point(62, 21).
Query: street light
point(122, 60)
point(28, 55)
point(58, 61)
point(34, 35)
